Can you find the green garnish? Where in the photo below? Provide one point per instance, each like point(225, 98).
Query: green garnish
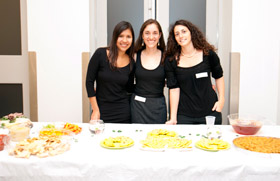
point(197, 134)
point(119, 131)
point(49, 126)
point(136, 130)
point(2, 125)
point(204, 136)
point(113, 130)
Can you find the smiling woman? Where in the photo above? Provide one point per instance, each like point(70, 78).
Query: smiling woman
point(113, 70)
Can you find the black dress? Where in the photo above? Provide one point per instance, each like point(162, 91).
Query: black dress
point(112, 87)
point(197, 97)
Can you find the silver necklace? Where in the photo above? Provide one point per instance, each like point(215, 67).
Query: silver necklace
point(184, 55)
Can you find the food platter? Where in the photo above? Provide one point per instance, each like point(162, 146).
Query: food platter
point(119, 142)
point(213, 145)
point(165, 140)
point(260, 144)
point(114, 148)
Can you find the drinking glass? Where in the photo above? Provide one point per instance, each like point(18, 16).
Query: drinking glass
point(96, 127)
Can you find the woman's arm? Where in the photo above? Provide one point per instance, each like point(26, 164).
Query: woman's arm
point(220, 84)
point(95, 115)
point(92, 72)
point(174, 95)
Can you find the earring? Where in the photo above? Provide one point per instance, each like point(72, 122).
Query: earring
point(158, 44)
point(143, 43)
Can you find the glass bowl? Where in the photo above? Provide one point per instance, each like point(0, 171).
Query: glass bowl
point(245, 124)
point(96, 126)
point(19, 132)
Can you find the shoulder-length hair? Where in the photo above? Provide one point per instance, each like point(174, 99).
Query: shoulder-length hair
point(113, 49)
point(138, 44)
point(198, 39)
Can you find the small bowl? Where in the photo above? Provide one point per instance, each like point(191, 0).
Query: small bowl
point(245, 124)
point(96, 127)
point(19, 132)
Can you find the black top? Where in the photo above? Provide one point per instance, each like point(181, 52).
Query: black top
point(197, 97)
point(111, 86)
point(149, 83)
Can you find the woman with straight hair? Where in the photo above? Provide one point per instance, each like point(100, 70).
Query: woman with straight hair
point(148, 104)
point(190, 62)
point(112, 68)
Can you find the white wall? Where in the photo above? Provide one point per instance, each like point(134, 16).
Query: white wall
point(14, 68)
point(255, 34)
point(59, 32)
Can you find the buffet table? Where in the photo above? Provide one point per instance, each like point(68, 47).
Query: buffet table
point(87, 160)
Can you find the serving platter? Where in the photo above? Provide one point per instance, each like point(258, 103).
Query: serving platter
point(119, 142)
point(260, 144)
point(214, 145)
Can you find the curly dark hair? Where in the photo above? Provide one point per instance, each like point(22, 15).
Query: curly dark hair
point(138, 44)
point(113, 49)
point(198, 39)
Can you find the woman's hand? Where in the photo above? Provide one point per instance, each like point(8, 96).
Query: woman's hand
point(218, 106)
point(95, 115)
point(171, 122)
point(220, 84)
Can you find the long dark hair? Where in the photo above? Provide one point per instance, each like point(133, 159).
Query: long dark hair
point(198, 39)
point(138, 44)
point(113, 49)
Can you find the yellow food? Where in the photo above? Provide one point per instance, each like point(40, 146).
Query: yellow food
point(212, 144)
point(117, 142)
point(158, 143)
point(258, 144)
point(54, 132)
point(162, 133)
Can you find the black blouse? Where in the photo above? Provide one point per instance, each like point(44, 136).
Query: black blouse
point(197, 96)
point(149, 83)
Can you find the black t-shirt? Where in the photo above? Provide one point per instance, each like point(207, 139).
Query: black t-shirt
point(111, 86)
point(197, 96)
point(149, 83)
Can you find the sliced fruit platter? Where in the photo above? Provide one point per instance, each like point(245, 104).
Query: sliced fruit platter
point(118, 142)
point(212, 144)
point(162, 140)
point(161, 133)
point(66, 129)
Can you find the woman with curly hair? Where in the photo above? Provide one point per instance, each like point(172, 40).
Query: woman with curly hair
point(148, 104)
point(189, 64)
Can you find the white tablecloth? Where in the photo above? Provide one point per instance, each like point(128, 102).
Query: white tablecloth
point(87, 160)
